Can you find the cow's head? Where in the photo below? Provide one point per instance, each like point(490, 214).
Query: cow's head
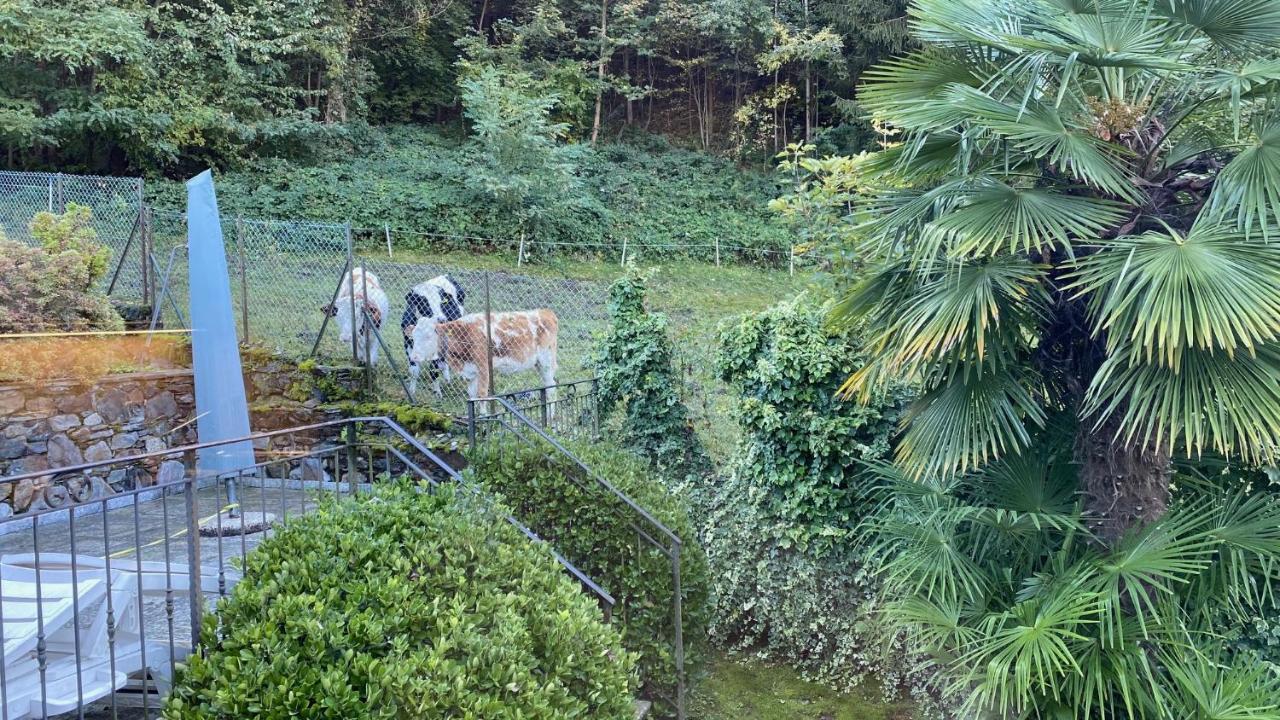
point(347, 325)
point(426, 341)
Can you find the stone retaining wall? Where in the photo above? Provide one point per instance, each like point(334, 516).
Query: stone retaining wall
point(59, 423)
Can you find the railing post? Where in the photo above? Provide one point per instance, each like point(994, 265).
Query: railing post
point(545, 411)
point(351, 457)
point(195, 595)
point(595, 408)
point(678, 611)
point(351, 292)
point(492, 389)
point(471, 422)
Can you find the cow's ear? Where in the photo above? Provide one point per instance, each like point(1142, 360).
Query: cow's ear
point(408, 330)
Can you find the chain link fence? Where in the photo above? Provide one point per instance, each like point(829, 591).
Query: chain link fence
point(284, 272)
point(116, 204)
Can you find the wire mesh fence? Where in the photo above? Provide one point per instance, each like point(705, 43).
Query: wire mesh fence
point(116, 205)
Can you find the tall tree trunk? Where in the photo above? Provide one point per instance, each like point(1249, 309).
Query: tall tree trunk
point(1124, 486)
point(626, 70)
point(604, 43)
point(808, 125)
point(484, 9)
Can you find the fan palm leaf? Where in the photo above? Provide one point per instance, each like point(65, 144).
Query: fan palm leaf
point(1249, 186)
point(1240, 26)
point(1161, 293)
point(1208, 400)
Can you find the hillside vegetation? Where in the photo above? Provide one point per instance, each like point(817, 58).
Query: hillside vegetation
point(419, 180)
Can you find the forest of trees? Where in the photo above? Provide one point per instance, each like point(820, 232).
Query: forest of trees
point(171, 86)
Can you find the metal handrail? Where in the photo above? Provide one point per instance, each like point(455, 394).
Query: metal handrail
point(599, 480)
point(604, 596)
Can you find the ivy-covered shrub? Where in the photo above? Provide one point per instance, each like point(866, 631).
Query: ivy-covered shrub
point(634, 364)
point(779, 527)
point(594, 531)
point(52, 287)
point(404, 604)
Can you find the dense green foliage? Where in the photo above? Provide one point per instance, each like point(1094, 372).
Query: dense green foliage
point(994, 576)
point(1071, 249)
point(404, 605)
point(418, 180)
point(636, 376)
point(1078, 217)
point(778, 528)
point(171, 86)
point(52, 287)
point(594, 531)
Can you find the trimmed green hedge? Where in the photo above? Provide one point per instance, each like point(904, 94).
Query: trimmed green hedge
point(404, 604)
point(580, 524)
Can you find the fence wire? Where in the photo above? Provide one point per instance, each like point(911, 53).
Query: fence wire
point(115, 202)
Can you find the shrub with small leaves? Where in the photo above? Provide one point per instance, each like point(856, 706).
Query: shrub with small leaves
point(636, 374)
point(404, 604)
point(593, 529)
point(52, 287)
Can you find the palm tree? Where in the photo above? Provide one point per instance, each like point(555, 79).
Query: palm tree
point(1080, 218)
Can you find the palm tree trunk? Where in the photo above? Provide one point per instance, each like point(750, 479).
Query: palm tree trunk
point(1125, 487)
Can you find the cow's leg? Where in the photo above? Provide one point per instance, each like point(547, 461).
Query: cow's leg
point(414, 371)
point(435, 377)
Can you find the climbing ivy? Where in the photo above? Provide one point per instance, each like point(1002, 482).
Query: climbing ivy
point(636, 376)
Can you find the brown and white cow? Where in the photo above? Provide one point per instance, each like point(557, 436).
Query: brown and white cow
point(522, 340)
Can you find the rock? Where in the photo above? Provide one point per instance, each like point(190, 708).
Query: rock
point(37, 505)
point(6, 511)
point(112, 405)
point(11, 401)
point(63, 452)
point(13, 430)
point(313, 470)
point(73, 403)
point(77, 487)
point(13, 448)
point(278, 470)
point(98, 452)
point(105, 432)
point(356, 478)
point(56, 496)
point(124, 479)
point(37, 447)
point(162, 405)
point(80, 434)
point(98, 489)
point(30, 464)
point(93, 420)
point(155, 444)
point(171, 471)
point(6, 491)
point(261, 443)
point(124, 440)
point(40, 405)
point(27, 491)
point(63, 423)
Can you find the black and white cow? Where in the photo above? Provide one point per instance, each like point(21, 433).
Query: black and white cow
point(440, 300)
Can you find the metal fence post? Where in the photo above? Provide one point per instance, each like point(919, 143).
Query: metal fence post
point(62, 196)
point(351, 293)
point(488, 335)
point(624, 253)
point(144, 255)
point(542, 403)
point(717, 251)
point(792, 258)
point(244, 282)
point(195, 596)
point(386, 230)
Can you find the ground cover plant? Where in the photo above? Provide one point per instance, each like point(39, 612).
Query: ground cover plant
point(404, 604)
point(1071, 249)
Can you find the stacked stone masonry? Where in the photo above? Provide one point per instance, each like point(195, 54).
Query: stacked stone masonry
point(56, 424)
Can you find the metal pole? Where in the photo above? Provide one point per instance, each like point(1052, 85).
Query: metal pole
point(793, 260)
point(624, 253)
point(679, 635)
point(62, 196)
point(471, 422)
point(115, 274)
point(351, 294)
point(351, 457)
point(148, 292)
point(595, 408)
point(50, 203)
point(333, 299)
point(244, 282)
point(366, 323)
point(488, 334)
point(195, 597)
point(520, 252)
point(717, 251)
point(542, 401)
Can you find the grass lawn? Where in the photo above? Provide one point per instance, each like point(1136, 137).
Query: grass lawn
point(741, 689)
